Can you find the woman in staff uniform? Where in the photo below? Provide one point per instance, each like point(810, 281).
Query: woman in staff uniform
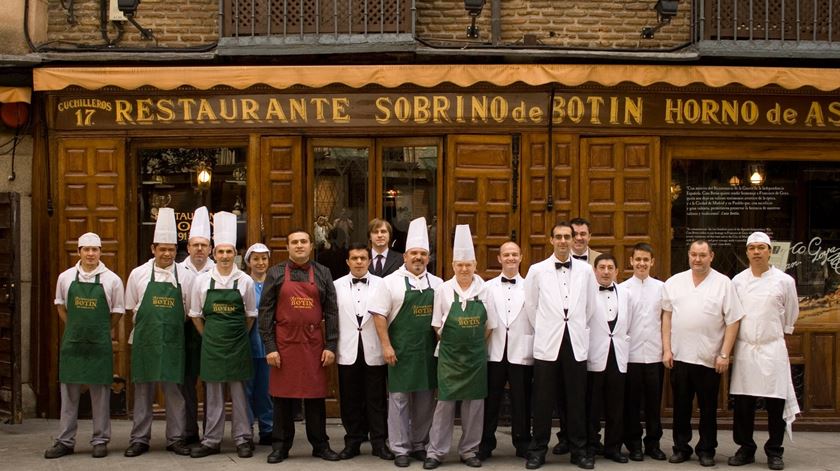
point(463, 317)
point(86, 297)
point(256, 389)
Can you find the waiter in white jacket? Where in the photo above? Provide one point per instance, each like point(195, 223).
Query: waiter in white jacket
point(761, 367)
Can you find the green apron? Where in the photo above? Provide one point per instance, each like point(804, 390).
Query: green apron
point(414, 343)
point(86, 355)
point(157, 350)
point(462, 363)
point(225, 348)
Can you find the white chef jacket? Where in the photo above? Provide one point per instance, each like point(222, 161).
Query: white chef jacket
point(245, 286)
point(111, 284)
point(445, 296)
point(139, 279)
point(646, 323)
point(699, 315)
point(544, 302)
point(388, 297)
point(187, 264)
point(513, 328)
point(352, 299)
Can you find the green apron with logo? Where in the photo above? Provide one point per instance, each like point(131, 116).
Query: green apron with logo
point(157, 349)
point(225, 348)
point(462, 357)
point(86, 355)
point(414, 343)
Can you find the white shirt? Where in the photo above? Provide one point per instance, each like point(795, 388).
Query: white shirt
point(507, 298)
point(699, 315)
point(111, 284)
point(445, 296)
point(388, 297)
point(646, 323)
point(245, 286)
point(139, 279)
point(609, 303)
point(187, 264)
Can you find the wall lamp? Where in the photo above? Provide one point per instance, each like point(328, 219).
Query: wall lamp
point(666, 10)
point(128, 8)
point(473, 7)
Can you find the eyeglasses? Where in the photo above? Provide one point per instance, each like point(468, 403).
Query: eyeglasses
point(563, 236)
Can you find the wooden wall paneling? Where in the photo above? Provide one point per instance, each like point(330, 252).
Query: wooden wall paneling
point(479, 185)
point(283, 191)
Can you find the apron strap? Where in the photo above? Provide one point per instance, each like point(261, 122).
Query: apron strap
point(235, 283)
point(212, 283)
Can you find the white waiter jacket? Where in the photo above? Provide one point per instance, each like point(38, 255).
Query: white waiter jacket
point(353, 303)
point(514, 328)
point(600, 336)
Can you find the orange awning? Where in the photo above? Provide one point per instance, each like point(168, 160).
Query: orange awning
point(391, 76)
point(15, 95)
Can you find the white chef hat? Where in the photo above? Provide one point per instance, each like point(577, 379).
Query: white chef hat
point(165, 231)
point(90, 239)
point(200, 226)
point(759, 238)
point(256, 248)
point(463, 250)
point(418, 235)
point(224, 229)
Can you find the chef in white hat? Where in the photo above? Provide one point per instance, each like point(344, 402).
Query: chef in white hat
point(158, 293)
point(760, 365)
point(89, 299)
point(198, 248)
point(257, 258)
point(223, 309)
point(402, 307)
point(464, 316)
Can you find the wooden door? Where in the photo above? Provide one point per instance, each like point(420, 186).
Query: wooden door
point(281, 194)
point(480, 192)
point(10, 334)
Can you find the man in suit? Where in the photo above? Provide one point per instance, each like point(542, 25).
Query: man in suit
point(383, 260)
point(560, 298)
point(361, 369)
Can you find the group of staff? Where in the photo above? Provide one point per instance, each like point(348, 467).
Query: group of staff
point(409, 345)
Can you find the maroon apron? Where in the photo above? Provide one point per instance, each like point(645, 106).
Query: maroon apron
point(300, 342)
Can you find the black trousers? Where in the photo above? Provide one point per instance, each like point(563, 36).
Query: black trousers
point(643, 390)
point(364, 401)
point(744, 424)
point(315, 412)
point(189, 391)
point(605, 395)
point(687, 381)
point(567, 375)
point(500, 373)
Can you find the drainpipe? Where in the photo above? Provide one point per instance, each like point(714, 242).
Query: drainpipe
point(496, 22)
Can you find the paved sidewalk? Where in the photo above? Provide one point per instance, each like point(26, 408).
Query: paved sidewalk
point(22, 448)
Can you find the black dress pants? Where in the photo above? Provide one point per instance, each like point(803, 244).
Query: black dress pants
point(605, 395)
point(643, 390)
point(687, 381)
point(364, 402)
point(563, 374)
point(744, 424)
point(315, 413)
point(500, 373)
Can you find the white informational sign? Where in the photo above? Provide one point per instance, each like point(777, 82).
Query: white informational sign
point(779, 254)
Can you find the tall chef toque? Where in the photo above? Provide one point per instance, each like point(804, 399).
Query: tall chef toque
point(759, 238)
point(418, 236)
point(463, 250)
point(200, 223)
point(224, 229)
point(165, 230)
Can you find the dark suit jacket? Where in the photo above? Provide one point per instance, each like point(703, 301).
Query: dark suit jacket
point(393, 261)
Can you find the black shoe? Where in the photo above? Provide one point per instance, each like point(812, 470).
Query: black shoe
point(383, 453)
point(100, 450)
point(707, 460)
point(402, 461)
point(775, 462)
point(245, 450)
point(584, 461)
point(655, 453)
point(740, 459)
point(179, 448)
point(430, 463)
point(265, 440)
point(191, 439)
point(326, 454)
point(57, 451)
point(679, 457)
point(277, 456)
point(561, 448)
point(534, 462)
point(419, 455)
point(618, 457)
point(472, 462)
point(136, 449)
point(348, 452)
point(637, 455)
point(203, 450)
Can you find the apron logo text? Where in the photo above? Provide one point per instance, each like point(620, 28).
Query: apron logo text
point(163, 301)
point(298, 302)
point(84, 303)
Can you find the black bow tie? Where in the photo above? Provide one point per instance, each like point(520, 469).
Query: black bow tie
point(581, 257)
point(606, 288)
point(509, 280)
point(359, 280)
point(566, 264)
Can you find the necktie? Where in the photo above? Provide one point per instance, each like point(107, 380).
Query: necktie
point(378, 268)
point(509, 280)
point(606, 288)
point(566, 264)
point(359, 280)
point(581, 257)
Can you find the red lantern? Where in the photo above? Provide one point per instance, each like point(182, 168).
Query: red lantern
point(14, 115)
